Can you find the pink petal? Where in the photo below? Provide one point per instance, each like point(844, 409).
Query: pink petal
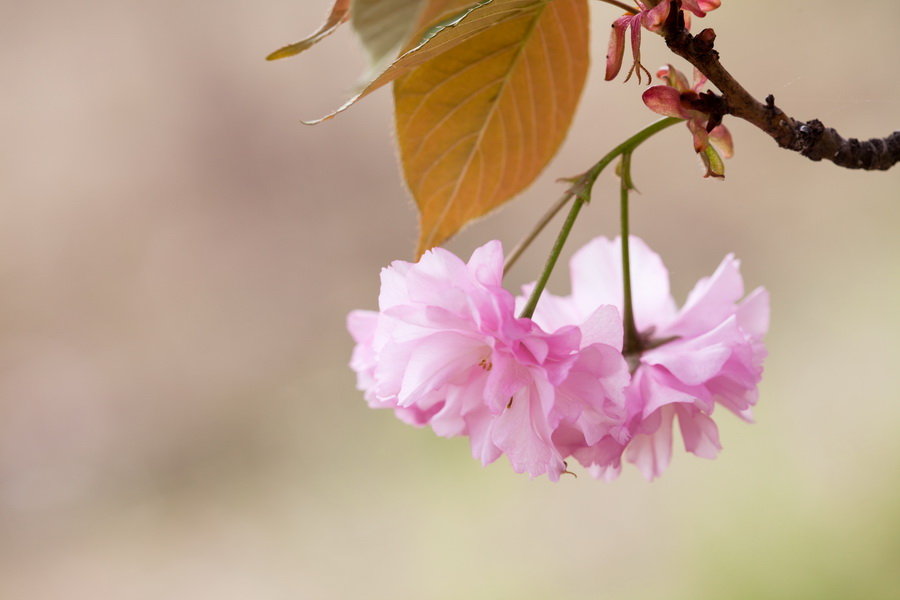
point(478, 428)
point(698, 130)
point(724, 350)
point(653, 303)
point(652, 453)
point(491, 308)
point(753, 313)
point(440, 279)
point(448, 420)
point(603, 326)
point(415, 415)
point(438, 360)
point(603, 459)
point(708, 5)
point(562, 342)
point(538, 349)
point(699, 81)
point(659, 390)
point(486, 264)
point(699, 432)
point(595, 410)
point(673, 78)
point(424, 317)
point(505, 378)
point(393, 285)
point(711, 301)
point(616, 50)
point(361, 324)
point(692, 366)
point(655, 18)
point(606, 472)
point(701, 7)
point(522, 433)
point(596, 271)
point(720, 137)
point(635, 48)
point(734, 396)
point(665, 100)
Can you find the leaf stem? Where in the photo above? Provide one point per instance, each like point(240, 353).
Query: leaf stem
point(581, 189)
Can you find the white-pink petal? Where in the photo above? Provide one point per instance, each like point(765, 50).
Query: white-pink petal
point(699, 432)
point(651, 453)
point(597, 279)
point(523, 433)
point(711, 301)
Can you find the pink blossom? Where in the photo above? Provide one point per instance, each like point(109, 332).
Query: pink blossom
point(701, 7)
point(651, 15)
point(678, 99)
point(707, 353)
point(446, 350)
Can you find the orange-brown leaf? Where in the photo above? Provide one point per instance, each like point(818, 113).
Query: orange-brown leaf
point(477, 123)
point(340, 12)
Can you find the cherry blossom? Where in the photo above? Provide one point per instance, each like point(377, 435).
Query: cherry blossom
point(446, 350)
point(708, 353)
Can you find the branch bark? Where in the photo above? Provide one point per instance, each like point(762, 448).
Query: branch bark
point(811, 138)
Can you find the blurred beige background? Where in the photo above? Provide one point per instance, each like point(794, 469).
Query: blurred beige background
point(177, 256)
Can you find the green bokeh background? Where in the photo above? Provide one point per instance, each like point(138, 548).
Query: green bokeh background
point(178, 254)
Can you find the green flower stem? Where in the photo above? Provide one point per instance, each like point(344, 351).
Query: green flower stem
point(581, 189)
point(528, 311)
point(632, 341)
point(628, 145)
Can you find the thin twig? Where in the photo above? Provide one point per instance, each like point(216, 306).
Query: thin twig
point(812, 139)
point(526, 241)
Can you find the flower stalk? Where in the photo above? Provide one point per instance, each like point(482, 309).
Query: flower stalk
point(581, 189)
point(530, 307)
point(631, 344)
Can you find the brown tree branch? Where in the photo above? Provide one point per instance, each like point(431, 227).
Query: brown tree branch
point(811, 138)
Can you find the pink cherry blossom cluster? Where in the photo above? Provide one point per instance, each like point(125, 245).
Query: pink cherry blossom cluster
point(446, 350)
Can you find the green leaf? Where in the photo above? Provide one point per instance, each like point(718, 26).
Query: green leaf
point(384, 26)
point(715, 166)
